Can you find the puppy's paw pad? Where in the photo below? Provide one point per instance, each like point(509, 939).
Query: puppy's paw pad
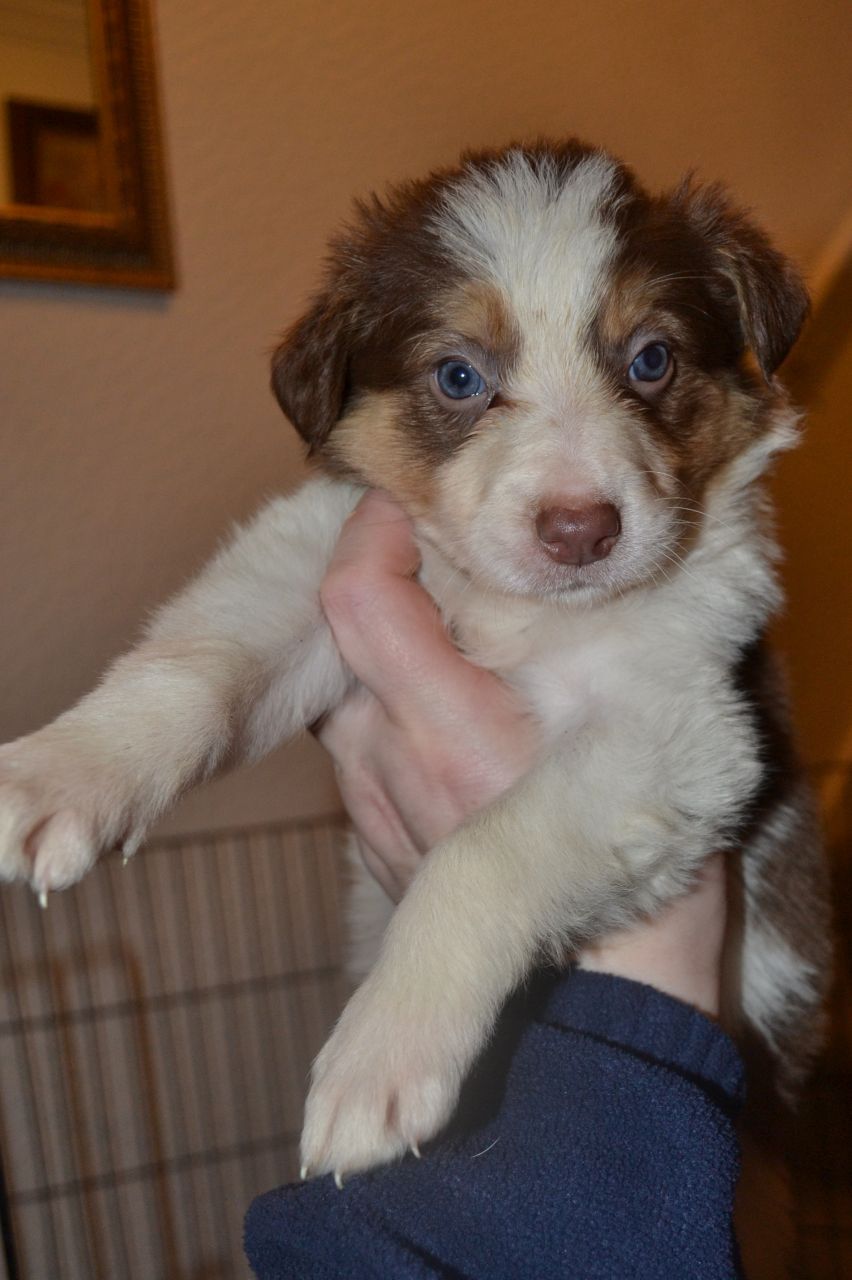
point(366, 1109)
point(63, 849)
point(48, 847)
point(15, 826)
point(56, 815)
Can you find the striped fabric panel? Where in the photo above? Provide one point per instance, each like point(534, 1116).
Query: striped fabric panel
point(156, 1029)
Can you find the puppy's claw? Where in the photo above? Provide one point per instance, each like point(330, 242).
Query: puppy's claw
point(303, 1173)
point(338, 1180)
point(42, 899)
point(415, 1150)
point(129, 847)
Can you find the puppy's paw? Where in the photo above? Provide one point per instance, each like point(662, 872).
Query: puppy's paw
point(381, 1086)
point(61, 806)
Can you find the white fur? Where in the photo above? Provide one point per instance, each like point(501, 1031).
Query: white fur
point(774, 976)
point(540, 239)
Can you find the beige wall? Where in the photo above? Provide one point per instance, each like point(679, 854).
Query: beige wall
point(134, 427)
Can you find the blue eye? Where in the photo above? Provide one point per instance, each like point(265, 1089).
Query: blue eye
point(652, 363)
point(459, 380)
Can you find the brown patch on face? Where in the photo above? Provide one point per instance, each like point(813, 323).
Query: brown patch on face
point(478, 311)
point(473, 324)
point(396, 307)
point(672, 285)
point(378, 297)
point(372, 442)
point(399, 427)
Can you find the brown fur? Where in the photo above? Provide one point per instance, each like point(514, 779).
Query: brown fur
point(394, 431)
point(697, 274)
point(371, 443)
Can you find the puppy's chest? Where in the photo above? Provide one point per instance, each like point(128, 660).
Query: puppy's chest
point(654, 657)
point(570, 669)
point(566, 687)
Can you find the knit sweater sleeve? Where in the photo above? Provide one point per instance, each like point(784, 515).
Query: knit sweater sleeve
point(608, 1151)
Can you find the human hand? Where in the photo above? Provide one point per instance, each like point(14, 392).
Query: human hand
point(428, 738)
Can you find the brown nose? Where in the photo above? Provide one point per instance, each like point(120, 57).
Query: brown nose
point(578, 535)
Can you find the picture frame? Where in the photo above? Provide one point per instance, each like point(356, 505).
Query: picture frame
point(127, 242)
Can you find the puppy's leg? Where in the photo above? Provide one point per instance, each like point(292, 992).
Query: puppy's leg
point(236, 663)
point(558, 859)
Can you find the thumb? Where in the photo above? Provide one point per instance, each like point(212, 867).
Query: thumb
point(387, 627)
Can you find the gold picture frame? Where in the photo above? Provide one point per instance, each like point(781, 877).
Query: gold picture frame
point(128, 241)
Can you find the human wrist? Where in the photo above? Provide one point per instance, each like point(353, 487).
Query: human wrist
point(678, 951)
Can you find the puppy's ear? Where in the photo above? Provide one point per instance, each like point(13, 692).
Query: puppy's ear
point(310, 367)
point(770, 295)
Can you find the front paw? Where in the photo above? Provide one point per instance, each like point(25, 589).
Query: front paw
point(62, 804)
point(383, 1084)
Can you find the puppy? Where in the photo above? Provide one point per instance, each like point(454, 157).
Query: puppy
point(568, 385)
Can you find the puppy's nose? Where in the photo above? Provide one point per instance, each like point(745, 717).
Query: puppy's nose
point(578, 535)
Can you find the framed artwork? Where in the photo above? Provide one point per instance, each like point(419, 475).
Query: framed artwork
point(90, 204)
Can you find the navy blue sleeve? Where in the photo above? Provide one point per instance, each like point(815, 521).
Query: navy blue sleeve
point(596, 1141)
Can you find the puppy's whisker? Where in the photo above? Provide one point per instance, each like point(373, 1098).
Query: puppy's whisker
point(680, 564)
point(708, 516)
point(655, 568)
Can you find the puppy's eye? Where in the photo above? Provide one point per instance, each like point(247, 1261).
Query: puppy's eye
point(458, 380)
point(653, 364)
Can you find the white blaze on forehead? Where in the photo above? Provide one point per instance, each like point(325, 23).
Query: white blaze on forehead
point(541, 236)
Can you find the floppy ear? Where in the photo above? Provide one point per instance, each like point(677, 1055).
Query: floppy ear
point(310, 368)
point(770, 295)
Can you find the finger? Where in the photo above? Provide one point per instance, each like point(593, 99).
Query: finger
point(387, 627)
point(386, 868)
point(355, 735)
point(377, 533)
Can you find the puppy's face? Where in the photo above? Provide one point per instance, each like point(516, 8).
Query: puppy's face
point(544, 365)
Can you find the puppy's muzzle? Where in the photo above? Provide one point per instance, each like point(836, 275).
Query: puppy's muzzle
point(578, 535)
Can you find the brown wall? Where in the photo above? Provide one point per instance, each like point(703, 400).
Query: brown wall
point(135, 427)
point(814, 494)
